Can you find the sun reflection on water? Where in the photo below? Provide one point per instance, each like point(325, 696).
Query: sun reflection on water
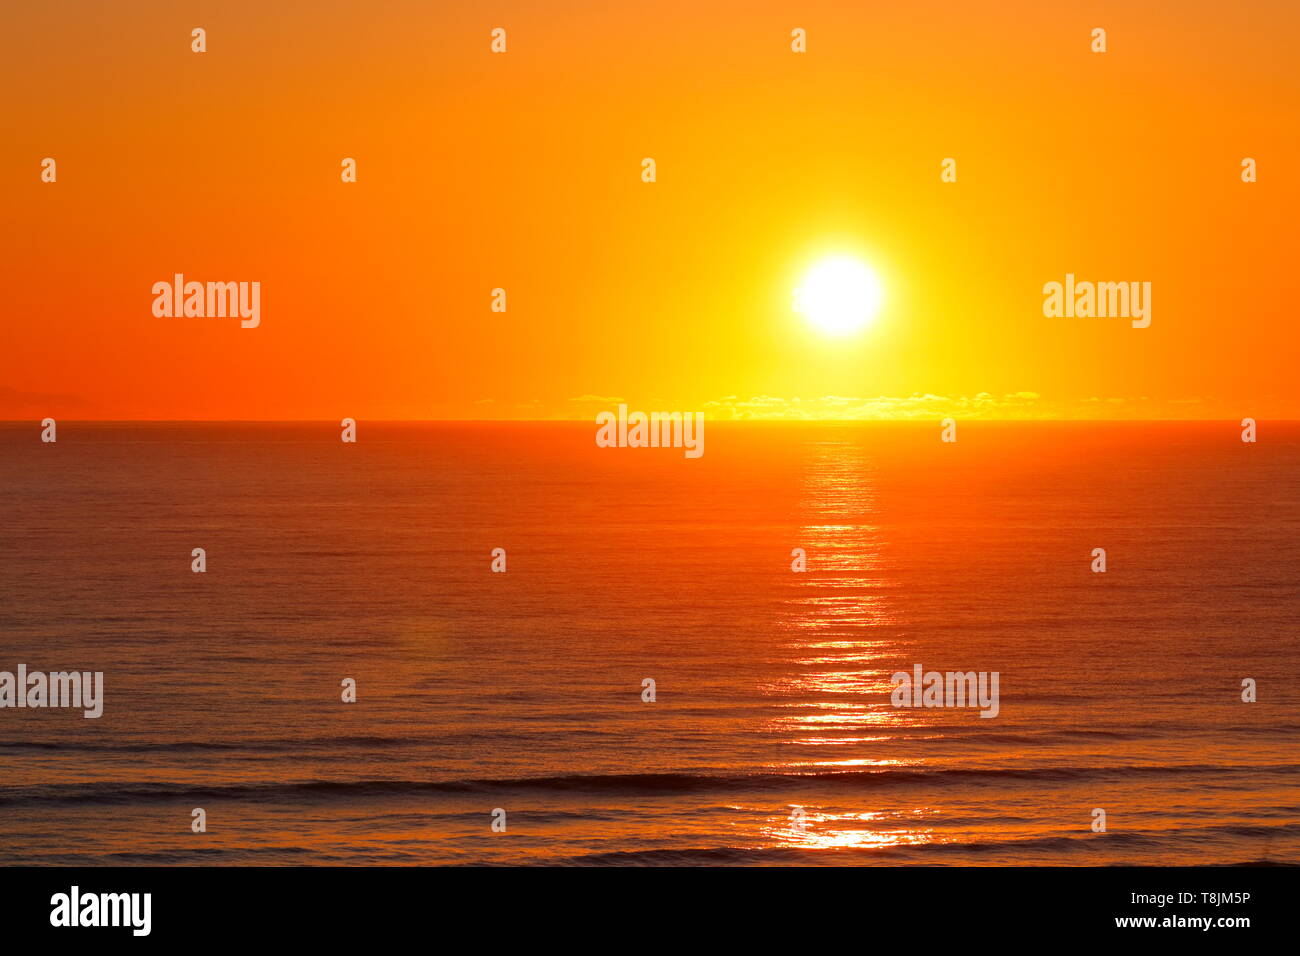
point(813, 829)
point(844, 630)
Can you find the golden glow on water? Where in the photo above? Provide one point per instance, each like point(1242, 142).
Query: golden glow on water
point(834, 690)
point(819, 718)
point(826, 831)
point(837, 741)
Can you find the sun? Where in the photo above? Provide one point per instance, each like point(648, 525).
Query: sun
point(839, 295)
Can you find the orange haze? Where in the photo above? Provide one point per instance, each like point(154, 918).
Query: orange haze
point(523, 171)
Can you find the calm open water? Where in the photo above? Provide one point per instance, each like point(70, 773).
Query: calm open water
point(522, 690)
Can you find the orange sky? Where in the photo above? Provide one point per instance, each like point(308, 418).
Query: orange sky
point(522, 171)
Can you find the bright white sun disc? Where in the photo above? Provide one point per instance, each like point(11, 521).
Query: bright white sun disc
point(839, 295)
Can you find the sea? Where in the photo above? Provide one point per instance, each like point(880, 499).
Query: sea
point(651, 680)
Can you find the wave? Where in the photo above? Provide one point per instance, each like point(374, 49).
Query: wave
point(976, 852)
point(929, 733)
point(627, 785)
point(290, 745)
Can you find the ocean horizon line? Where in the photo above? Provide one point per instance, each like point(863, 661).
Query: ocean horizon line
point(587, 421)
